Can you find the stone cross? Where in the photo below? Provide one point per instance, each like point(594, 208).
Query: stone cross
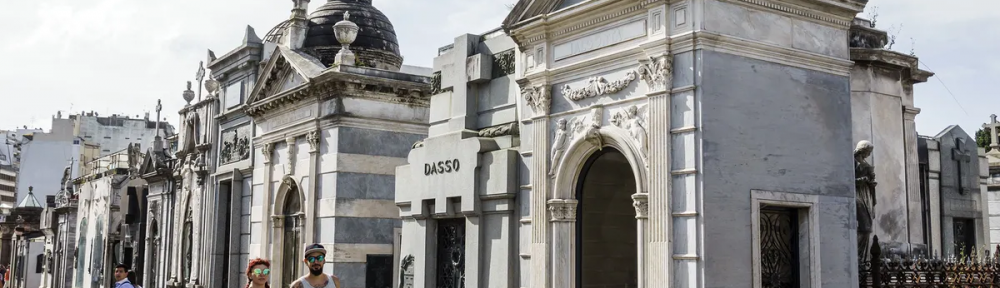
point(199, 76)
point(992, 128)
point(961, 156)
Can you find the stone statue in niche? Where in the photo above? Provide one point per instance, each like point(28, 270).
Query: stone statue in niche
point(864, 174)
point(406, 272)
point(598, 86)
point(558, 145)
point(630, 120)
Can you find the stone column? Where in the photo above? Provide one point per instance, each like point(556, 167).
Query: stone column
point(315, 138)
point(563, 218)
point(537, 97)
point(277, 222)
point(658, 251)
point(640, 201)
point(915, 214)
point(267, 150)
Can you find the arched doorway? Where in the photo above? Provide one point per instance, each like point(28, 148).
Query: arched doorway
point(154, 251)
point(606, 242)
point(291, 236)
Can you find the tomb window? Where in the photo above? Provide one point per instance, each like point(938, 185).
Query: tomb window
point(784, 232)
point(378, 271)
point(451, 253)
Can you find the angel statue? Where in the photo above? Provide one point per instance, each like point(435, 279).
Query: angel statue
point(558, 145)
point(864, 174)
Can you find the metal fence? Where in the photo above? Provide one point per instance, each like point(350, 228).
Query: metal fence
point(963, 271)
point(112, 161)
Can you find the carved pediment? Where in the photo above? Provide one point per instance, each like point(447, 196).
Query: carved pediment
point(285, 71)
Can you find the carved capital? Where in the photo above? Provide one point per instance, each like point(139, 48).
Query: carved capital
point(641, 203)
point(314, 140)
point(562, 210)
point(537, 97)
point(267, 150)
point(657, 72)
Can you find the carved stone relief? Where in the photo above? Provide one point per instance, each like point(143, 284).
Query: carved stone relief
point(580, 127)
point(503, 63)
point(235, 145)
point(632, 119)
point(537, 97)
point(406, 272)
point(657, 72)
point(499, 130)
point(290, 142)
point(598, 86)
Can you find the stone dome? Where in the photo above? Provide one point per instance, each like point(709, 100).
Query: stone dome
point(277, 34)
point(376, 45)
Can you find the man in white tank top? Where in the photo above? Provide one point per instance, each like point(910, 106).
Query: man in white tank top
point(315, 259)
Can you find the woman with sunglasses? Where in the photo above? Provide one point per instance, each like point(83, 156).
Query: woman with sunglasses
point(257, 273)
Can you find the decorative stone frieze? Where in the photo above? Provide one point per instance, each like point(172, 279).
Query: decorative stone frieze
point(641, 203)
point(503, 63)
point(509, 129)
point(562, 210)
point(598, 86)
point(657, 72)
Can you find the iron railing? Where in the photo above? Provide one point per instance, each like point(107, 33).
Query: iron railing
point(964, 271)
point(109, 162)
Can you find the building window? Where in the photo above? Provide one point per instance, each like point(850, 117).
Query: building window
point(38, 263)
point(451, 253)
point(785, 229)
point(378, 271)
point(779, 246)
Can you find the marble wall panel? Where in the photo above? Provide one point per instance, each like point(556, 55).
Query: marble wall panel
point(889, 159)
point(375, 142)
point(364, 230)
point(771, 127)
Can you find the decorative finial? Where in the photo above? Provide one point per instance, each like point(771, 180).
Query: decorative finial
point(346, 32)
point(188, 94)
point(160, 107)
point(30, 188)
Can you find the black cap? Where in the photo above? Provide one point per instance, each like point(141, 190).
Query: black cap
point(312, 248)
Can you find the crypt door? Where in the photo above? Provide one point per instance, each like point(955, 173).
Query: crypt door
point(606, 241)
point(292, 239)
point(965, 236)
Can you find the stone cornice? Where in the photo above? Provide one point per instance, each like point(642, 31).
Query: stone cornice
point(893, 60)
point(349, 85)
point(209, 99)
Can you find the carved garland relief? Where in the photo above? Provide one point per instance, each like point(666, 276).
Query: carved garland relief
point(657, 72)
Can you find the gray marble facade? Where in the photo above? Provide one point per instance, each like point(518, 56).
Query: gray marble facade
point(953, 192)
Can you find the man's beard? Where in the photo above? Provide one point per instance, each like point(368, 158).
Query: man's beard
point(317, 271)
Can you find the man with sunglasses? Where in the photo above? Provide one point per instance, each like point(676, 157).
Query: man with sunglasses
point(315, 259)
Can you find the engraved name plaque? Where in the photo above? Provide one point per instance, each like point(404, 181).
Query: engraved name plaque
point(600, 40)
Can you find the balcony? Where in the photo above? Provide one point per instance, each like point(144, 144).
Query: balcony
point(113, 161)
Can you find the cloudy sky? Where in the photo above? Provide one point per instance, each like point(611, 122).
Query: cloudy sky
point(120, 56)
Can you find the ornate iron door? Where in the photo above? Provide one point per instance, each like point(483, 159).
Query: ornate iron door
point(965, 236)
point(451, 253)
point(779, 247)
